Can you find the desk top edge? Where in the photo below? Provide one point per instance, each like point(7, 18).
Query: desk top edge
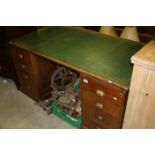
point(15, 43)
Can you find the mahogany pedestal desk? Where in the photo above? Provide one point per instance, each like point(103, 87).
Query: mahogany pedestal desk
point(103, 63)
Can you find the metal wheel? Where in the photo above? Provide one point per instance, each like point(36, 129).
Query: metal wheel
point(62, 78)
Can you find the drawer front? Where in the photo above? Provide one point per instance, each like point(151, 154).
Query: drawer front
point(27, 88)
point(101, 119)
point(21, 56)
point(91, 101)
point(91, 124)
point(28, 85)
point(30, 91)
point(26, 78)
point(27, 82)
point(23, 67)
point(102, 89)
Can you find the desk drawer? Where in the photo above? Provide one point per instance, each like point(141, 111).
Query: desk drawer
point(21, 56)
point(89, 100)
point(91, 124)
point(23, 67)
point(34, 73)
point(27, 88)
point(26, 78)
point(27, 82)
point(102, 89)
point(105, 121)
point(100, 119)
point(30, 91)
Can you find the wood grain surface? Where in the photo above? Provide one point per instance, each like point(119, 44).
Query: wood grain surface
point(146, 56)
point(140, 109)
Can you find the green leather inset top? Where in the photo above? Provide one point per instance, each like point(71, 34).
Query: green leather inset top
point(104, 56)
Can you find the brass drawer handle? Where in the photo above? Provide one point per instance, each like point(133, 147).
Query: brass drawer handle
point(100, 93)
point(28, 87)
point(20, 56)
point(85, 81)
point(98, 117)
point(23, 66)
point(99, 105)
point(25, 77)
point(115, 98)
